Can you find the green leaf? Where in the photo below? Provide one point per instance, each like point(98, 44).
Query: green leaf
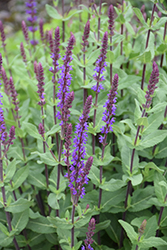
point(102, 225)
point(139, 15)
point(10, 171)
point(4, 229)
point(56, 128)
point(135, 179)
point(20, 177)
point(160, 190)
point(94, 174)
point(162, 48)
point(70, 15)
point(110, 57)
point(127, 81)
point(52, 201)
point(31, 130)
point(152, 242)
point(152, 139)
point(19, 206)
point(154, 121)
point(20, 220)
point(41, 225)
point(60, 223)
point(140, 198)
point(160, 23)
point(142, 121)
point(5, 240)
point(130, 231)
point(37, 179)
point(46, 158)
point(52, 12)
point(112, 185)
point(145, 57)
point(112, 200)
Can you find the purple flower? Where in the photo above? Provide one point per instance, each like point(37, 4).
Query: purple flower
point(79, 170)
point(40, 78)
point(31, 10)
point(13, 94)
point(65, 79)
point(154, 79)
point(3, 133)
point(111, 20)
point(67, 145)
point(41, 130)
point(11, 135)
point(41, 30)
point(50, 40)
point(109, 111)
point(85, 36)
point(23, 54)
point(55, 54)
point(3, 38)
point(100, 65)
point(5, 81)
point(89, 235)
point(25, 31)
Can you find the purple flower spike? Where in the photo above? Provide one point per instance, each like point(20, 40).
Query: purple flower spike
point(89, 235)
point(31, 10)
point(41, 30)
point(25, 31)
point(55, 55)
point(13, 94)
point(85, 36)
point(23, 54)
point(3, 133)
point(154, 79)
point(79, 170)
point(67, 145)
point(65, 79)
point(3, 38)
point(11, 135)
point(111, 20)
point(50, 39)
point(100, 65)
point(109, 111)
point(5, 81)
point(41, 130)
point(40, 79)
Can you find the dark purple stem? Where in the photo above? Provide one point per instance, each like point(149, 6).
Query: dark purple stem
point(147, 41)
point(72, 230)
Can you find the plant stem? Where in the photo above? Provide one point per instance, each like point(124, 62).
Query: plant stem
point(72, 230)
point(4, 200)
point(147, 41)
point(98, 35)
point(63, 23)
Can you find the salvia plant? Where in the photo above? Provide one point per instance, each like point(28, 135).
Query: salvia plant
point(83, 114)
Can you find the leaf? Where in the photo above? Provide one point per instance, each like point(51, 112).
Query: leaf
point(110, 57)
point(41, 225)
point(37, 179)
point(152, 139)
point(19, 206)
point(112, 185)
point(20, 220)
point(20, 177)
point(136, 179)
point(31, 130)
point(142, 121)
point(10, 171)
point(56, 128)
point(52, 201)
point(60, 223)
point(140, 198)
point(152, 242)
point(102, 225)
point(145, 57)
point(160, 190)
point(139, 15)
point(52, 12)
point(47, 158)
point(130, 231)
point(5, 240)
point(94, 174)
point(112, 200)
point(127, 81)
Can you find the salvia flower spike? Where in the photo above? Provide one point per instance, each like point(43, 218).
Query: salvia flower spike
point(111, 20)
point(109, 110)
point(31, 10)
point(40, 79)
point(154, 79)
point(25, 31)
point(89, 236)
point(79, 170)
point(3, 38)
point(100, 65)
point(65, 79)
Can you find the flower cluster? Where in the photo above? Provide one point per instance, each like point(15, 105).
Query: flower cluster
point(85, 36)
point(79, 170)
point(89, 236)
point(31, 10)
point(154, 79)
point(23, 54)
point(67, 144)
point(100, 65)
point(111, 20)
point(65, 79)
point(3, 38)
point(13, 94)
point(55, 52)
point(40, 78)
point(25, 31)
point(41, 30)
point(109, 111)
